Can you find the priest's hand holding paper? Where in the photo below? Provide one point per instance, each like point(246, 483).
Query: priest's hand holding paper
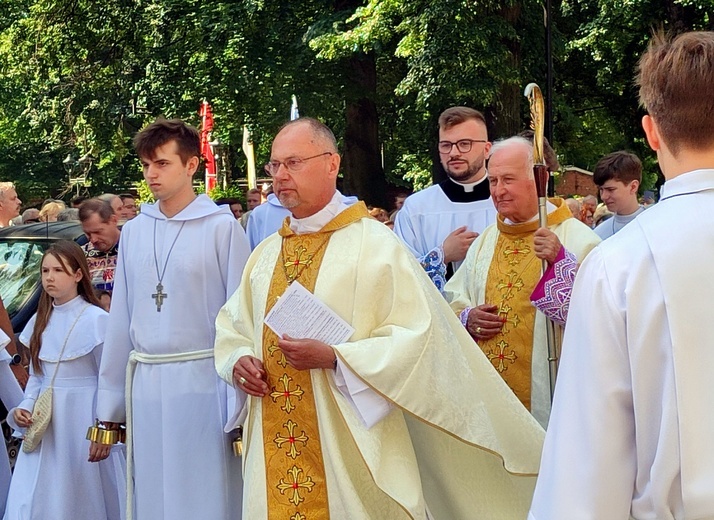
point(546, 245)
point(249, 375)
point(304, 354)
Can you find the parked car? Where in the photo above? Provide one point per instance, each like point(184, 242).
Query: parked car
point(21, 250)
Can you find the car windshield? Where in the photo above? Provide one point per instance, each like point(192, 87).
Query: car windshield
point(19, 272)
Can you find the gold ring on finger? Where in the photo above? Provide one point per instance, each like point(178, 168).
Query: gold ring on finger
point(241, 381)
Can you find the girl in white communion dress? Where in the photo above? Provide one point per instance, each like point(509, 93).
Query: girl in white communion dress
point(57, 480)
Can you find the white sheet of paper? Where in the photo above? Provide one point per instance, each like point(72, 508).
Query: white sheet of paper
point(300, 315)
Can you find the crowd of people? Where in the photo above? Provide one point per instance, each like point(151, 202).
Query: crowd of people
point(319, 364)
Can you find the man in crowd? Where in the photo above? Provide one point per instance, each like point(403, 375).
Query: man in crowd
point(439, 223)
point(589, 204)
point(100, 224)
point(9, 203)
point(574, 206)
point(618, 176)
point(648, 198)
point(253, 199)
point(179, 260)
point(631, 429)
point(77, 201)
point(30, 215)
point(68, 214)
point(128, 203)
point(264, 220)
point(233, 204)
point(115, 202)
point(492, 290)
point(399, 199)
point(327, 431)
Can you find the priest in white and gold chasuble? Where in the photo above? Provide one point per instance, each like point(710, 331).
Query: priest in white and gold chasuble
point(510, 277)
point(502, 271)
point(411, 421)
point(291, 439)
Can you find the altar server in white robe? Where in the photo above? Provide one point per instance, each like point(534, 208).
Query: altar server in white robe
point(179, 261)
point(439, 223)
point(57, 480)
point(406, 419)
point(631, 431)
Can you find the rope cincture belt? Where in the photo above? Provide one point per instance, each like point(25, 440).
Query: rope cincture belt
point(147, 359)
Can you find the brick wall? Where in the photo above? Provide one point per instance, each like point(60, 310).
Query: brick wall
point(575, 182)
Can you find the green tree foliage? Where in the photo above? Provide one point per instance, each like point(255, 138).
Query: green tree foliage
point(81, 76)
point(598, 106)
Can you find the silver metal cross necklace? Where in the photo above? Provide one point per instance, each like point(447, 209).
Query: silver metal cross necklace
point(159, 296)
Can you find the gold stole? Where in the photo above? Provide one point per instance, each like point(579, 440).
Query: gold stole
point(512, 276)
point(295, 471)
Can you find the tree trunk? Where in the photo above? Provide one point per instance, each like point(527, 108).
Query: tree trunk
point(508, 106)
point(362, 163)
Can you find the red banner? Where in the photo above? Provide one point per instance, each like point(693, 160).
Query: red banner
point(206, 128)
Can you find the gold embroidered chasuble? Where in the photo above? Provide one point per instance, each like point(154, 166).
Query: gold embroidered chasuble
point(295, 469)
point(512, 276)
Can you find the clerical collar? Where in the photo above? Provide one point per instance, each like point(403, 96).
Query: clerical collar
point(549, 206)
point(472, 192)
point(316, 222)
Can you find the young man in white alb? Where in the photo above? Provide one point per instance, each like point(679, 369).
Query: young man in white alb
point(179, 261)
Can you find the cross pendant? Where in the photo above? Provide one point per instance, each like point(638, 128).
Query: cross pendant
point(159, 296)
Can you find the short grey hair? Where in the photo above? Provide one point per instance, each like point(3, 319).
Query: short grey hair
point(514, 141)
point(108, 197)
point(4, 186)
point(319, 130)
point(68, 214)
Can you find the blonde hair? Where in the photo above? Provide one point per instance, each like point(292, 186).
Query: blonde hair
point(51, 210)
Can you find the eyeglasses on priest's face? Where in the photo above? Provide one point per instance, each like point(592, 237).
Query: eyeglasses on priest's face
point(292, 164)
point(462, 145)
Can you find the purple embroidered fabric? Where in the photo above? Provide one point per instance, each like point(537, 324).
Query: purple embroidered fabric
point(464, 316)
point(552, 293)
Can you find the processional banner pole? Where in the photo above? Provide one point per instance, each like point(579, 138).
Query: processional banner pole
point(249, 152)
point(540, 173)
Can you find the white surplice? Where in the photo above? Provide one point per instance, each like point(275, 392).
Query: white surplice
point(429, 216)
point(184, 466)
point(56, 480)
point(632, 426)
point(265, 220)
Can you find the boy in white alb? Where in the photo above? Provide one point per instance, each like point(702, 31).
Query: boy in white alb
point(179, 261)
